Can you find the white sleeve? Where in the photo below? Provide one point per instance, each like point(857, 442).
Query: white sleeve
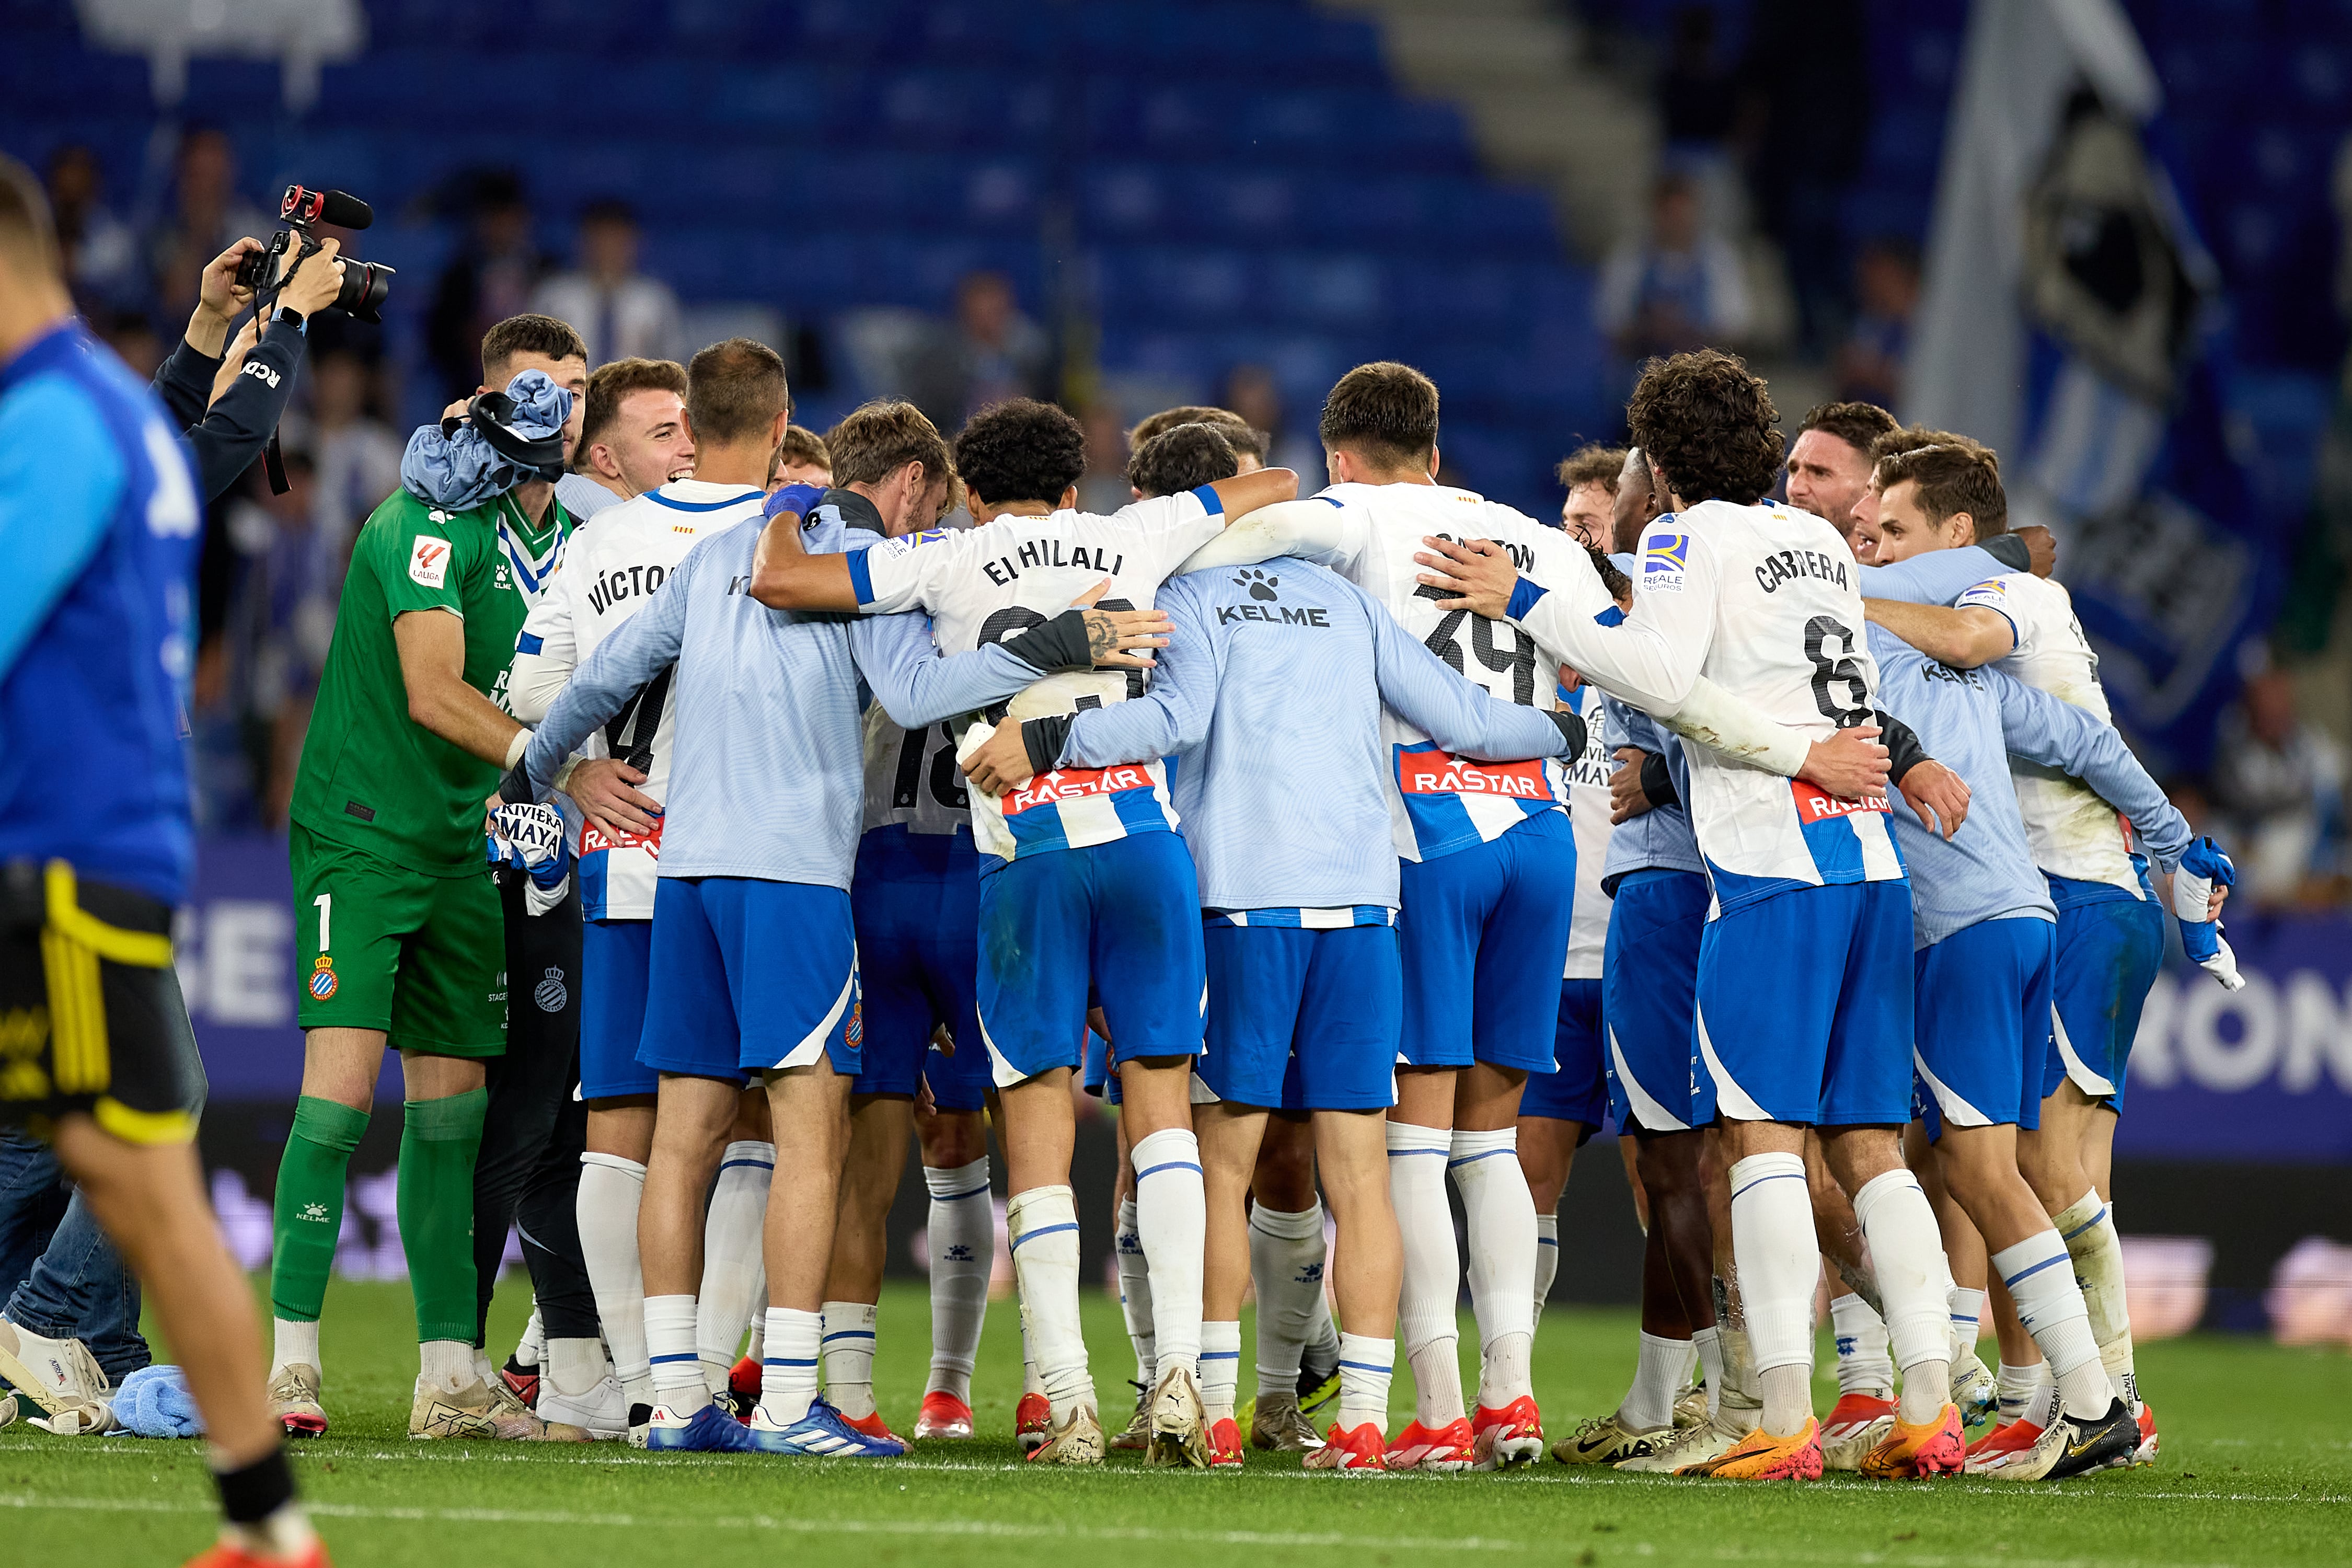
point(546, 652)
point(1314, 529)
point(907, 572)
point(1652, 658)
point(1177, 525)
point(1714, 718)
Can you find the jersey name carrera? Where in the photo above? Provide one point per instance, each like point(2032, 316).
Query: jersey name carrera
point(1435, 771)
point(1041, 555)
point(1788, 565)
point(1074, 784)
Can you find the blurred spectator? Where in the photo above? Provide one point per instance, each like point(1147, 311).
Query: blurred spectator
point(490, 278)
point(358, 453)
point(1679, 288)
point(1887, 290)
point(620, 311)
point(1697, 96)
point(207, 216)
point(989, 353)
point(1805, 111)
point(101, 254)
point(131, 335)
point(2278, 784)
point(1103, 488)
point(1250, 392)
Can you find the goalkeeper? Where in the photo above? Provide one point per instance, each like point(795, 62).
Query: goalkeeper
point(400, 930)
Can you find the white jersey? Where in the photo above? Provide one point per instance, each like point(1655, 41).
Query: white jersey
point(1439, 803)
point(1588, 815)
point(1761, 600)
point(990, 584)
point(2073, 831)
point(609, 571)
point(911, 778)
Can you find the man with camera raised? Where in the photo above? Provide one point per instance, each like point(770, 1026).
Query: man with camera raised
point(400, 928)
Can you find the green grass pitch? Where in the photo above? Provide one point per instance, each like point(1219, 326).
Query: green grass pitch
point(2257, 1470)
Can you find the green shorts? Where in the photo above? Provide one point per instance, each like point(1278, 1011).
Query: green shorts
point(423, 958)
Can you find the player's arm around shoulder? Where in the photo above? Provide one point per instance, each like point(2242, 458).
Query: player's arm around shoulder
point(786, 576)
point(2057, 734)
point(1965, 636)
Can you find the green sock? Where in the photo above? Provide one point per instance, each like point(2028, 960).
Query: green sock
point(308, 1216)
point(437, 1142)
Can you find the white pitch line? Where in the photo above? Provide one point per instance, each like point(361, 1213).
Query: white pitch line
point(956, 1527)
point(558, 1455)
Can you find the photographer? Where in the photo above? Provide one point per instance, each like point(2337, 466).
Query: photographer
point(228, 431)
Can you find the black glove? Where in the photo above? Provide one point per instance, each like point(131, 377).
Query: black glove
point(1059, 644)
point(2009, 551)
point(1903, 751)
point(1658, 781)
point(1044, 739)
point(1572, 730)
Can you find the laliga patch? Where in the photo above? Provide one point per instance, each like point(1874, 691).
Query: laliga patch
point(429, 560)
point(1665, 559)
point(322, 983)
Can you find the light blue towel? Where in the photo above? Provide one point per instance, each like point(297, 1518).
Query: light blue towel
point(154, 1402)
point(464, 471)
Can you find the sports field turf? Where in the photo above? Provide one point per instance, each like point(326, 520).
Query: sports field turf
point(2257, 1470)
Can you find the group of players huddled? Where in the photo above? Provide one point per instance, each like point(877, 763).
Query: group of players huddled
point(1346, 842)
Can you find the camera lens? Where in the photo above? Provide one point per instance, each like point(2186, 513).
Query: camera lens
point(366, 285)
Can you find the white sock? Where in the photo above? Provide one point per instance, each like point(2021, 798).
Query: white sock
point(788, 1371)
point(573, 1366)
point(2088, 1228)
point(1862, 1364)
point(1030, 1382)
point(448, 1364)
point(732, 1256)
point(676, 1367)
point(1658, 1376)
point(1221, 1369)
point(1779, 1262)
point(848, 1353)
point(1425, 1315)
point(1708, 1343)
point(1043, 1224)
point(1366, 1366)
point(1172, 1215)
point(2050, 1305)
point(963, 1249)
point(1134, 1294)
point(1502, 1223)
point(1908, 1251)
point(1967, 1320)
point(755, 1343)
point(2021, 1389)
point(532, 1348)
point(610, 1191)
point(1546, 1260)
point(1286, 1265)
point(1320, 1355)
point(296, 1344)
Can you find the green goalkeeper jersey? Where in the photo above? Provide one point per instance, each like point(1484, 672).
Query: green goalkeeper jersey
point(371, 776)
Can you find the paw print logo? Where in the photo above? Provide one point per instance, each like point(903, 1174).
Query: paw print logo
point(315, 1213)
point(959, 1253)
point(1260, 585)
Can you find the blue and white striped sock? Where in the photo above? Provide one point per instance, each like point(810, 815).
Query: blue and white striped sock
point(1968, 1317)
point(1546, 1260)
point(2041, 1280)
point(788, 1371)
point(677, 1365)
point(1366, 1366)
point(1221, 1370)
point(849, 1355)
point(1043, 1225)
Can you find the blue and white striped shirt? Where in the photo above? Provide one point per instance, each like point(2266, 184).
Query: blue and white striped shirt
point(768, 777)
point(1272, 684)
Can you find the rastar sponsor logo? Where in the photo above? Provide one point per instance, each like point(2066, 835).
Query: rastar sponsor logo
point(1441, 773)
point(592, 839)
point(1075, 783)
point(1813, 806)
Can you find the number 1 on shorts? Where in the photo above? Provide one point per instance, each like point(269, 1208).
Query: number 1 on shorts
point(325, 904)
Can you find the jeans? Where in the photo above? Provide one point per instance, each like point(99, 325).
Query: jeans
point(79, 1287)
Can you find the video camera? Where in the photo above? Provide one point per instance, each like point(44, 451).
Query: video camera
point(365, 283)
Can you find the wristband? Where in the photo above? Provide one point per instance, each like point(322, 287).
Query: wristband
point(1903, 751)
point(517, 746)
point(1044, 740)
point(562, 780)
point(1658, 781)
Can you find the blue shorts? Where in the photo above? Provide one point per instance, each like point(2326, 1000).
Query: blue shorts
point(2110, 946)
point(1127, 914)
point(917, 939)
point(613, 980)
point(1325, 1002)
point(1482, 935)
point(1649, 1002)
point(1578, 1090)
point(1101, 1082)
point(750, 976)
point(1804, 1007)
point(1982, 1001)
